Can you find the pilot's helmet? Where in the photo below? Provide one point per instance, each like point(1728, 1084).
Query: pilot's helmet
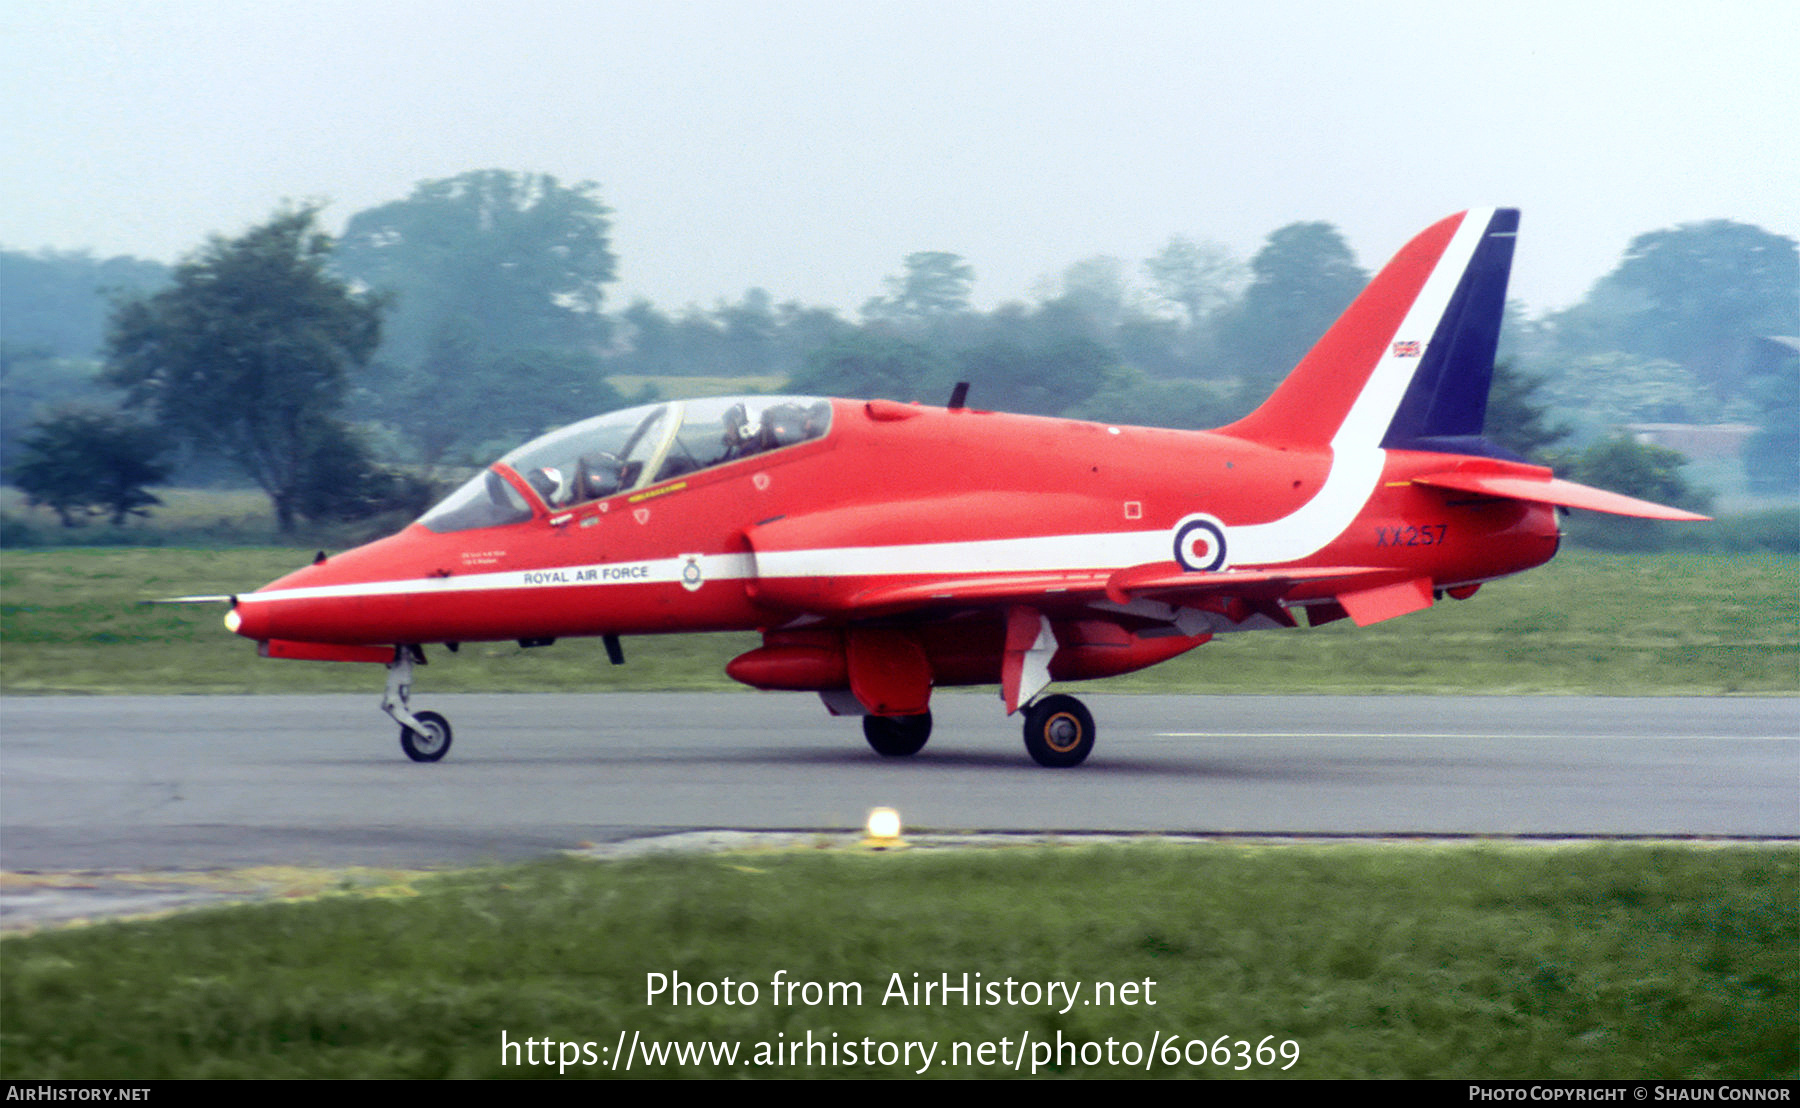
point(741, 427)
point(783, 425)
point(599, 474)
point(550, 484)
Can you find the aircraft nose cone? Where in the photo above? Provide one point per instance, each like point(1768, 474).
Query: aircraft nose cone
point(254, 614)
point(248, 620)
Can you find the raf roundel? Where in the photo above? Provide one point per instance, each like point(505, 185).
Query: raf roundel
point(1200, 543)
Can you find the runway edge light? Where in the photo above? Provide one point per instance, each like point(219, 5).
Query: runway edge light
point(882, 829)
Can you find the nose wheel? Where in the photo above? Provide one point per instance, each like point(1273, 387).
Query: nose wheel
point(1059, 732)
point(430, 741)
point(425, 736)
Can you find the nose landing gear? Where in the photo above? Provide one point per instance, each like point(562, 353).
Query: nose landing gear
point(425, 736)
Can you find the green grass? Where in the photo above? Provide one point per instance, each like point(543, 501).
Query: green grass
point(1594, 623)
point(72, 621)
point(1378, 961)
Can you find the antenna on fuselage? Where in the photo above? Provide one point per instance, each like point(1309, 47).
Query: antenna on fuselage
point(958, 394)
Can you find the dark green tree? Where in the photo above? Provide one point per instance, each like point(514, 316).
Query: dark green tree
point(344, 482)
point(1515, 418)
point(1044, 379)
point(1301, 281)
point(935, 284)
point(1698, 295)
point(508, 262)
point(1128, 395)
point(749, 331)
point(248, 352)
point(85, 462)
point(868, 364)
point(1199, 277)
point(58, 301)
point(34, 380)
point(1622, 464)
point(1772, 454)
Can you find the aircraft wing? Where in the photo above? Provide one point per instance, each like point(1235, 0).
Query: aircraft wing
point(1158, 590)
point(1365, 594)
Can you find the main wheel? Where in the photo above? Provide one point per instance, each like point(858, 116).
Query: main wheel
point(1059, 732)
point(430, 744)
point(897, 736)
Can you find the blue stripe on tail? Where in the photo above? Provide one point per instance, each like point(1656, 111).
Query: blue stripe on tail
point(1446, 405)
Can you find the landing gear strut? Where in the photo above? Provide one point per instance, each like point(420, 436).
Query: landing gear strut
point(424, 736)
point(897, 736)
point(1059, 731)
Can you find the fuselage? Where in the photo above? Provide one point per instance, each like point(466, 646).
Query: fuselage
point(892, 494)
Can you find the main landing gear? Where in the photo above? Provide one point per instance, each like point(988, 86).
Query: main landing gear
point(425, 736)
point(1059, 732)
point(897, 736)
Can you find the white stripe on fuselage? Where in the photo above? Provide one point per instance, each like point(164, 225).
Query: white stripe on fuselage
point(1357, 462)
point(595, 575)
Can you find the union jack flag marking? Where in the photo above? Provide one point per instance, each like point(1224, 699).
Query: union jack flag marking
point(1406, 349)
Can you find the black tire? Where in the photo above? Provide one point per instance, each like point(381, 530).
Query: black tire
point(1059, 732)
point(897, 736)
point(430, 745)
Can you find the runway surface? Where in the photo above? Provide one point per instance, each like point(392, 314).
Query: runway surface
point(123, 783)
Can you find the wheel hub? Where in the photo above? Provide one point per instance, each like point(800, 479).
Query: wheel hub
point(1062, 732)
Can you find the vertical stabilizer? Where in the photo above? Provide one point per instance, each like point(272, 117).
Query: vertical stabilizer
point(1409, 363)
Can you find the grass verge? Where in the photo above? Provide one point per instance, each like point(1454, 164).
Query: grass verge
point(1377, 961)
point(72, 621)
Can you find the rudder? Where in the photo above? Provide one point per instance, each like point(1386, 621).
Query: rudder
point(1445, 406)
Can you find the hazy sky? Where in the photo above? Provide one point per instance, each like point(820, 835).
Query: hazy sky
point(807, 147)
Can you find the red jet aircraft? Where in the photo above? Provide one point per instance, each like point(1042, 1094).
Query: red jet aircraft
point(885, 549)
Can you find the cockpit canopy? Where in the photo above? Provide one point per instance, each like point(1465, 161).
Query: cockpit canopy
point(625, 450)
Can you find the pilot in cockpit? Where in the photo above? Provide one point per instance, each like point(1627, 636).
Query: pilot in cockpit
point(550, 484)
point(787, 424)
point(598, 475)
point(743, 434)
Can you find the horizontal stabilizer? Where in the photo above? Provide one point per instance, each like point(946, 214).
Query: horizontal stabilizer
point(1539, 486)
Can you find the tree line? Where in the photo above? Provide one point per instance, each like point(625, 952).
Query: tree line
point(441, 329)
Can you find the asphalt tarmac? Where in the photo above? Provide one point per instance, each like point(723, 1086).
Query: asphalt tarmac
point(190, 783)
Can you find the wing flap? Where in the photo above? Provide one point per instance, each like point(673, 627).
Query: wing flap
point(1360, 588)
